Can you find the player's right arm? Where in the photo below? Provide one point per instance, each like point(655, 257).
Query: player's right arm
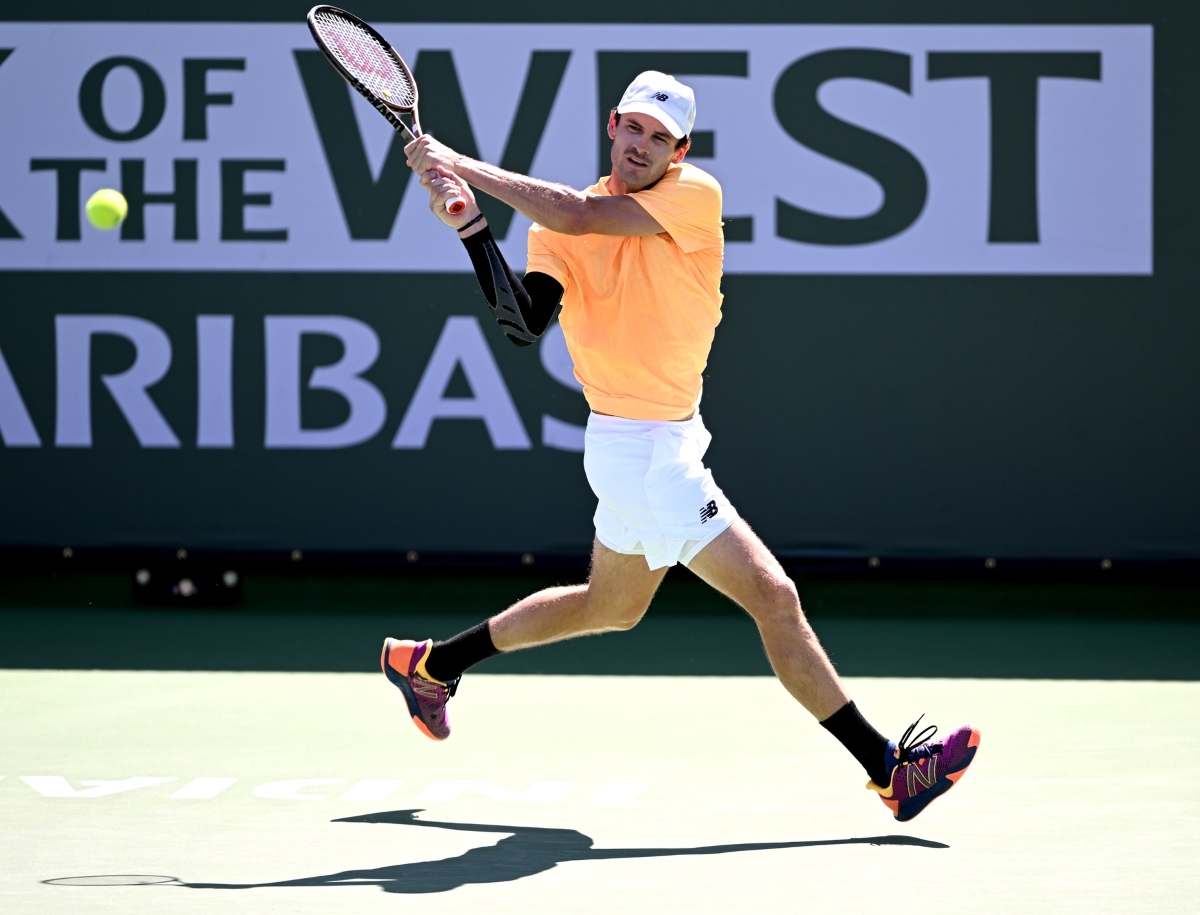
point(559, 208)
point(522, 309)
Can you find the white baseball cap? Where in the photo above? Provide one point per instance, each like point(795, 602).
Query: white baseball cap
point(663, 97)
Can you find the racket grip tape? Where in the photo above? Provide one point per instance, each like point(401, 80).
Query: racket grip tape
point(455, 205)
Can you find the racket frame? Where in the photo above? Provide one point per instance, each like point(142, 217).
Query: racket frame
point(386, 107)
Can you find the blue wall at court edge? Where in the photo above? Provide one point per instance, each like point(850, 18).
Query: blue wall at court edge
point(960, 314)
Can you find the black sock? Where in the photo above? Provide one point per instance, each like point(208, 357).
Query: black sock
point(450, 658)
point(866, 744)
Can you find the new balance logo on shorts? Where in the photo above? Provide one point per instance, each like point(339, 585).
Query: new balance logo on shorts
point(708, 511)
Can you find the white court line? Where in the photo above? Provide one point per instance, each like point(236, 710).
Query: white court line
point(372, 789)
point(57, 786)
point(289, 789)
point(367, 789)
point(616, 793)
point(203, 788)
point(537, 793)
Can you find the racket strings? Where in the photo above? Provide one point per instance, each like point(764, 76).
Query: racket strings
point(370, 62)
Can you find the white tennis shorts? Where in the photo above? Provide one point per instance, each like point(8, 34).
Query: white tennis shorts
point(657, 499)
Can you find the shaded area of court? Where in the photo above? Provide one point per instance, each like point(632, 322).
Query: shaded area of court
point(524, 851)
point(336, 622)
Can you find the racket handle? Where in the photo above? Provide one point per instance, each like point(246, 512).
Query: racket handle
point(455, 205)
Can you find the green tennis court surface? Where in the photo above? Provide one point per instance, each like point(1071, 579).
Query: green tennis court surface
point(251, 790)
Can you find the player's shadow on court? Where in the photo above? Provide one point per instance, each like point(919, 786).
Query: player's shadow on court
point(526, 851)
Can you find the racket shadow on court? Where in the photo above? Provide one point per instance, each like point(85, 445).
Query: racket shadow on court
point(523, 852)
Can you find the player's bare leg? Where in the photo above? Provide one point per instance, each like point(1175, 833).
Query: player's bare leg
point(907, 774)
point(618, 592)
point(741, 567)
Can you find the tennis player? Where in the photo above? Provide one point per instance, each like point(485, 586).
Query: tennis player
point(635, 263)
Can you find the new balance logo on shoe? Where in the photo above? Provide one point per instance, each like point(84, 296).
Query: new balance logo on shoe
point(926, 778)
point(708, 511)
point(422, 688)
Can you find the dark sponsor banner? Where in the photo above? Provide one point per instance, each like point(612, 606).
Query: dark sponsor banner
point(959, 320)
point(851, 416)
point(289, 412)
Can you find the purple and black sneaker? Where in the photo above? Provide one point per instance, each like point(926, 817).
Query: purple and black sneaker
point(924, 769)
point(403, 663)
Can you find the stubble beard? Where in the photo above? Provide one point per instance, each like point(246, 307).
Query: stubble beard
point(637, 179)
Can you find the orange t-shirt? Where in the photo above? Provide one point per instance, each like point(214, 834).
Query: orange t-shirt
point(639, 313)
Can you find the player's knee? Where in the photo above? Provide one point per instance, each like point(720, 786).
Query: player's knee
point(779, 589)
point(629, 618)
point(618, 615)
point(777, 599)
point(627, 615)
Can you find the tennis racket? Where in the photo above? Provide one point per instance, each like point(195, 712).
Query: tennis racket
point(372, 66)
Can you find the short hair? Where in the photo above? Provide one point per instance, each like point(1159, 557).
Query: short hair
point(679, 144)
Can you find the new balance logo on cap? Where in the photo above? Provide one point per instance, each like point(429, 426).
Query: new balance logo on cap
point(708, 511)
point(662, 97)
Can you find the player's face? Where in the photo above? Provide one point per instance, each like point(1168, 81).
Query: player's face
point(642, 149)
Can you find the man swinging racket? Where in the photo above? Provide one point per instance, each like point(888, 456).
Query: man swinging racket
point(635, 262)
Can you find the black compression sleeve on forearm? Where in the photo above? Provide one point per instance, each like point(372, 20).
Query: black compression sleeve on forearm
point(523, 310)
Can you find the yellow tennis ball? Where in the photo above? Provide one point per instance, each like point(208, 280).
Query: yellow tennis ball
point(106, 209)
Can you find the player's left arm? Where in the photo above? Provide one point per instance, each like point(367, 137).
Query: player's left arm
point(522, 309)
point(557, 207)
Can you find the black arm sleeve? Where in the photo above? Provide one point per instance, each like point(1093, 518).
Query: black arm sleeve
point(523, 310)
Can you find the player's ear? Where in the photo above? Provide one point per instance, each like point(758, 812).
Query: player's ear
point(681, 152)
point(612, 124)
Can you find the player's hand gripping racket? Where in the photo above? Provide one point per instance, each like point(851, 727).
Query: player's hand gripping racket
point(373, 67)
